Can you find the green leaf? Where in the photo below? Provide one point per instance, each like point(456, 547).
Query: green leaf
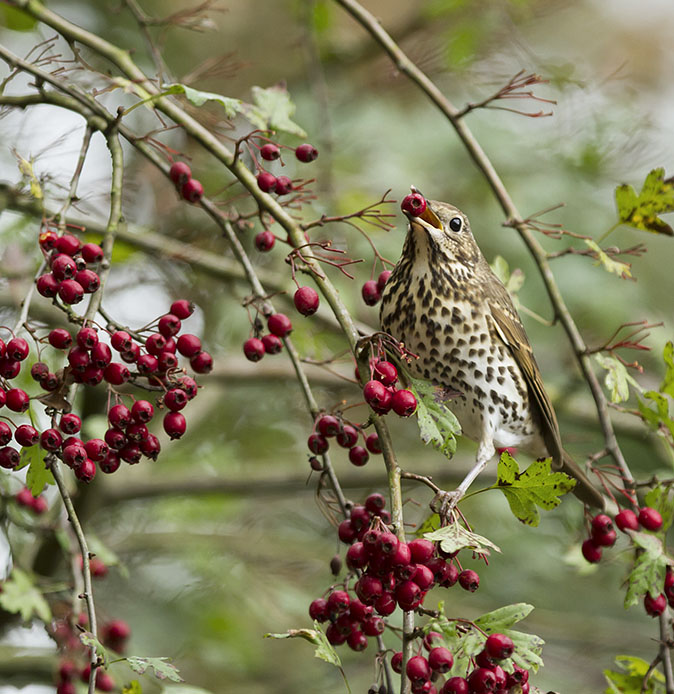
point(659, 499)
point(428, 526)
point(132, 688)
point(324, 649)
point(667, 385)
point(504, 617)
point(437, 424)
point(630, 678)
point(272, 109)
point(659, 417)
point(161, 668)
point(198, 98)
point(38, 475)
point(513, 281)
point(17, 19)
point(20, 596)
point(648, 574)
point(617, 379)
point(454, 537)
point(90, 641)
point(642, 211)
point(536, 486)
point(623, 270)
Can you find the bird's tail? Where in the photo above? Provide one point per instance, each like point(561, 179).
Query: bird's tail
point(584, 489)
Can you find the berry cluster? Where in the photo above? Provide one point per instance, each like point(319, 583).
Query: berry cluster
point(189, 188)
point(279, 326)
point(70, 262)
point(602, 534)
point(37, 504)
point(372, 289)
point(381, 393)
point(89, 362)
point(346, 434)
point(281, 185)
point(114, 635)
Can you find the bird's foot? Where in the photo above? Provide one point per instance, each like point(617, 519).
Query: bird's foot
point(443, 502)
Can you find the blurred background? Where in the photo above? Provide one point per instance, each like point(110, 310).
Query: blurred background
point(221, 540)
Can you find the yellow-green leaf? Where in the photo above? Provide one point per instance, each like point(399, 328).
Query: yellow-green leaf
point(642, 211)
point(20, 596)
point(623, 270)
point(272, 109)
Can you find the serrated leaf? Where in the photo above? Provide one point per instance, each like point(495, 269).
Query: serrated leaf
point(324, 649)
point(90, 641)
point(455, 537)
point(648, 574)
point(623, 270)
point(272, 110)
point(198, 98)
point(437, 424)
point(658, 417)
point(38, 476)
point(504, 617)
point(161, 668)
point(642, 211)
point(536, 486)
point(659, 499)
point(20, 596)
point(630, 679)
point(667, 385)
point(617, 379)
point(132, 688)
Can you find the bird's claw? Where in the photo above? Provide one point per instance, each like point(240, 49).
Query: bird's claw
point(443, 502)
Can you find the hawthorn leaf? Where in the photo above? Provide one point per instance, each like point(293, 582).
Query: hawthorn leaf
point(642, 211)
point(272, 110)
point(161, 668)
point(623, 270)
point(437, 424)
point(38, 476)
point(536, 486)
point(324, 649)
point(630, 678)
point(617, 379)
point(132, 688)
point(90, 641)
point(667, 385)
point(428, 526)
point(20, 596)
point(648, 573)
point(658, 416)
point(198, 98)
point(454, 537)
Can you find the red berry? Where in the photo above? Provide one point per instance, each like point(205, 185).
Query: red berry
point(272, 344)
point(499, 646)
point(9, 457)
point(423, 577)
point(606, 539)
point(188, 345)
point(306, 153)
point(88, 280)
point(338, 601)
point(418, 668)
point(413, 204)
point(253, 348)
point(408, 595)
point(283, 185)
point(357, 556)
point(358, 456)
point(649, 518)
point(306, 301)
point(71, 292)
point(433, 637)
point(318, 610)
point(440, 659)
point(357, 640)
point(182, 308)
point(317, 444)
point(78, 359)
point(180, 172)
point(60, 338)
point(481, 681)
point(63, 267)
point(115, 438)
point(86, 471)
point(627, 520)
point(264, 241)
point(348, 436)
point(47, 240)
point(192, 190)
point(202, 363)
point(131, 453)
point(469, 580)
point(385, 372)
point(422, 550)
point(96, 449)
point(65, 687)
point(368, 588)
point(266, 182)
point(17, 349)
point(142, 411)
point(17, 400)
point(147, 364)
point(5, 430)
point(455, 685)
point(87, 338)
point(383, 279)
point(175, 399)
point(70, 424)
point(155, 344)
point(601, 524)
point(9, 369)
point(376, 395)
point(121, 341)
point(334, 636)
point(174, 424)
point(47, 285)
point(119, 416)
point(370, 293)
point(26, 435)
point(67, 244)
point(655, 606)
point(385, 604)
point(397, 662)
point(372, 443)
point(101, 355)
point(150, 446)
point(116, 374)
point(346, 532)
point(136, 431)
point(591, 551)
point(328, 425)
point(404, 403)
point(169, 325)
point(92, 253)
point(375, 503)
point(279, 324)
point(51, 440)
point(373, 626)
point(269, 152)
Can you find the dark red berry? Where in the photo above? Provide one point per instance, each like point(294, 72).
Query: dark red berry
point(116, 374)
point(51, 440)
point(119, 416)
point(345, 531)
point(422, 550)
point(266, 182)
point(253, 348)
point(408, 595)
point(155, 344)
point(189, 385)
point(96, 449)
point(404, 403)
point(17, 349)
point(373, 626)
point(649, 518)
point(469, 580)
point(385, 372)
point(606, 539)
point(455, 685)
point(87, 338)
point(368, 588)
point(142, 411)
point(86, 471)
point(182, 308)
point(375, 502)
point(202, 363)
point(376, 394)
point(358, 456)
point(115, 438)
point(101, 355)
point(370, 293)
point(440, 660)
point(627, 520)
point(334, 636)
point(192, 190)
point(70, 424)
point(131, 453)
point(47, 285)
point(175, 399)
point(47, 240)
point(328, 425)
point(317, 444)
point(306, 301)
point(601, 524)
point(6, 432)
point(591, 551)
point(385, 604)
point(121, 341)
point(17, 400)
point(136, 432)
point(67, 244)
point(150, 446)
point(88, 280)
point(60, 338)
point(175, 424)
point(180, 172)
point(74, 455)
point(383, 279)
point(92, 253)
point(418, 668)
point(338, 601)
point(318, 610)
point(372, 443)
point(26, 435)
point(306, 153)
point(423, 577)
point(63, 267)
point(147, 364)
point(655, 606)
point(284, 185)
point(9, 369)
point(499, 646)
point(9, 457)
point(71, 292)
point(481, 681)
point(78, 359)
point(279, 324)
point(270, 152)
point(357, 641)
point(357, 556)
point(397, 662)
point(169, 325)
point(264, 241)
point(347, 436)
point(413, 204)
point(272, 344)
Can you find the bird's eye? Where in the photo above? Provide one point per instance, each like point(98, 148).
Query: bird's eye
point(455, 223)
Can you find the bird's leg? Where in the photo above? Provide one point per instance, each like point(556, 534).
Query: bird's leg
point(445, 502)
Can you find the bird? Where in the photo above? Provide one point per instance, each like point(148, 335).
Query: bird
point(446, 305)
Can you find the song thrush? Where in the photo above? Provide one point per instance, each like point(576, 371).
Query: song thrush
point(447, 306)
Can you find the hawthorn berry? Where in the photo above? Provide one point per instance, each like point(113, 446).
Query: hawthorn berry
point(606, 539)
point(47, 240)
point(601, 524)
point(92, 253)
point(408, 594)
point(376, 394)
point(469, 580)
point(270, 152)
point(385, 372)
point(63, 267)
point(182, 308)
point(88, 280)
point(306, 301)
point(383, 279)
point(121, 341)
point(47, 285)
point(279, 324)
point(175, 399)
point(455, 685)
point(655, 606)
point(147, 364)
point(201, 363)
point(266, 182)
point(284, 185)
point(9, 457)
point(368, 588)
point(9, 369)
point(358, 456)
point(346, 532)
point(627, 520)
point(116, 374)
point(169, 325)
point(150, 446)
point(131, 452)
point(78, 359)
point(413, 204)
point(70, 423)
point(192, 190)
point(328, 425)
point(318, 610)
point(253, 348)
point(136, 432)
point(347, 436)
point(317, 444)
point(5, 432)
point(67, 244)
point(338, 602)
point(272, 344)
point(375, 502)
point(86, 471)
point(404, 403)
point(591, 551)
point(71, 292)
point(370, 293)
point(17, 400)
point(440, 659)
point(175, 424)
point(26, 435)
point(101, 355)
point(51, 439)
point(16, 349)
point(74, 455)
point(499, 646)
point(142, 411)
point(373, 626)
point(264, 241)
point(649, 518)
point(179, 173)
point(306, 153)
point(418, 668)
point(96, 449)
point(422, 550)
